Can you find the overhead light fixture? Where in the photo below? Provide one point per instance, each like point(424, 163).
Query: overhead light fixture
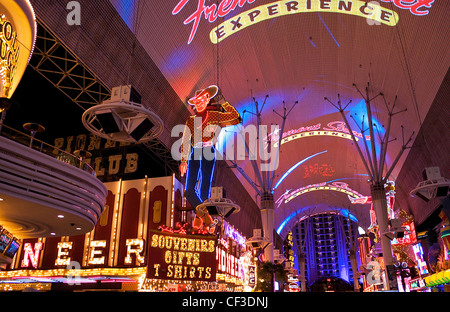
point(60, 216)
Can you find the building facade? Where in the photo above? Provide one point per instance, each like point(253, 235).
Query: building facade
point(324, 239)
point(137, 245)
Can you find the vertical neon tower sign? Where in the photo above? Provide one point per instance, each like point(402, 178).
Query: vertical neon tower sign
point(421, 263)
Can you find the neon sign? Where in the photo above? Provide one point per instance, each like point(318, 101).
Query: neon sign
point(30, 255)
point(333, 128)
point(323, 170)
point(211, 12)
point(421, 263)
point(96, 252)
point(416, 7)
point(287, 7)
point(293, 168)
point(410, 234)
point(232, 233)
point(9, 54)
point(364, 9)
point(17, 39)
point(63, 257)
point(228, 263)
point(187, 257)
point(334, 186)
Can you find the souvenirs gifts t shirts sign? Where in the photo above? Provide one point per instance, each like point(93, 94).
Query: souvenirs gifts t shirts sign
point(182, 257)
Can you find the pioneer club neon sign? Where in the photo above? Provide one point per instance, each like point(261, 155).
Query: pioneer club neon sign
point(371, 10)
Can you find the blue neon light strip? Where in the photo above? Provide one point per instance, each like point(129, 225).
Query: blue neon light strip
point(293, 168)
point(329, 31)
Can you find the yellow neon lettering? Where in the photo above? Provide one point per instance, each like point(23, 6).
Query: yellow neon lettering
point(287, 7)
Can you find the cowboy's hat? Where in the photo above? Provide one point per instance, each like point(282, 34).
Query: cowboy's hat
point(211, 91)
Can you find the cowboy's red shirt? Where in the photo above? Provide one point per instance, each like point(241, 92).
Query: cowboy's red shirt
point(195, 133)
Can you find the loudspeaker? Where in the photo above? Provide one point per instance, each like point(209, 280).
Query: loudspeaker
point(431, 173)
point(255, 244)
point(109, 123)
point(442, 191)
point(423, 197)
point(230, 212)
point(126, 93)
point(212, 210)
point(142, 129)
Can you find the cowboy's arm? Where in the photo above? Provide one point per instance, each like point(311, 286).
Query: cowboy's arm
point(230, 117)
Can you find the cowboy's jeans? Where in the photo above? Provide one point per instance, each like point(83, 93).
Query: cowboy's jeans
point(200, 171)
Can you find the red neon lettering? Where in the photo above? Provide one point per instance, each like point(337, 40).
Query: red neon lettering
point(210, 12)
point(324, 170)
point(416, 7)
point(340, 126)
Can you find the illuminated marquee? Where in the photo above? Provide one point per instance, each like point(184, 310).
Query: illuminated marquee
point(323, 170)
point(183, 257)
point(416, 7)
point(421, 263)
point(366, 9)
point(17, 39)
point(63, 257)
point(410, 234)
point(335, 186)
point(9, 54)
point(280, 8)
point(228, 263)
point(232, 233)
point(334, 129)
point(30, 255)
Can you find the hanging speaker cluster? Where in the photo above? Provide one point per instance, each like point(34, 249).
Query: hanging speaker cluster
point(433, 186)
point(123, 118)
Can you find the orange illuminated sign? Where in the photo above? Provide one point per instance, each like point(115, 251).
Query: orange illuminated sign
point(17, 39)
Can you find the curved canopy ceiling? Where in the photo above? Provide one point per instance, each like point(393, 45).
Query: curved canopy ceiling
point(304, 51)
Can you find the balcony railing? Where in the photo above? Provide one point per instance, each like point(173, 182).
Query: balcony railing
point(43, 147)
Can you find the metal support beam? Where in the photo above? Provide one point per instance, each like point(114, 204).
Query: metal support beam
point(375, 169)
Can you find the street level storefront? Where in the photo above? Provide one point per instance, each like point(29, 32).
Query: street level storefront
point(142, 242)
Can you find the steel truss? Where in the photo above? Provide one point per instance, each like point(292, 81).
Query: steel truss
point(62, 68)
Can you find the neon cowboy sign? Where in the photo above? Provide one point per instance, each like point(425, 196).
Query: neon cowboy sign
point(372, 10)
